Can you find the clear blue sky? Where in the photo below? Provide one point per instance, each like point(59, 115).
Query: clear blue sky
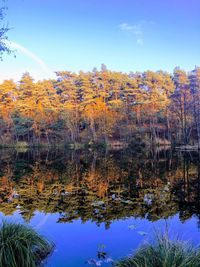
point(126, 35)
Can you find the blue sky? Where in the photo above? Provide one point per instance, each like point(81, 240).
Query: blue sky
point(126, 35)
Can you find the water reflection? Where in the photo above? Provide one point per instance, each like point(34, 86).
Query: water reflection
point(100, 186)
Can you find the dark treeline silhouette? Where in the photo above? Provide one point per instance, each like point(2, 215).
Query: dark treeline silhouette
point(102, 107)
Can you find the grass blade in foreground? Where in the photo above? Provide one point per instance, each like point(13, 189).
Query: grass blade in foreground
point(163, 253)
point(21, 246)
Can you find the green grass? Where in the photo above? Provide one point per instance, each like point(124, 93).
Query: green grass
point(163, 252)
point(21, 246)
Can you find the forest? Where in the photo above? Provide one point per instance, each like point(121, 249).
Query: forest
point(102, 107)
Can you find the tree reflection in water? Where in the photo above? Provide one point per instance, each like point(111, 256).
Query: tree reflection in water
point(100, 186)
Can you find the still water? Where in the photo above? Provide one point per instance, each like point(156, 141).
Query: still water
point(99, 206)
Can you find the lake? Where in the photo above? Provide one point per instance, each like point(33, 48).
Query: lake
point(98, 206)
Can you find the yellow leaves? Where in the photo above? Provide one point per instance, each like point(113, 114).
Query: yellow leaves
point(95, 108)
point(180, 77)
point(116, 104)
point(40, 108)
point(158, 86)
point(8, 96)
point(69, 106)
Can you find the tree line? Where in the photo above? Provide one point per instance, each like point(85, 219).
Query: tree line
point(102, 107)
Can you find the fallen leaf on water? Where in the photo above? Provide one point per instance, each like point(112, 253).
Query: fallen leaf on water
point(132, 227)
point(94, 262)
point(142, 233)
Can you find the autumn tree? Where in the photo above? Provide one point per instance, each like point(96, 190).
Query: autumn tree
point(8, 97)
point(181, 105)
point(194, 78)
